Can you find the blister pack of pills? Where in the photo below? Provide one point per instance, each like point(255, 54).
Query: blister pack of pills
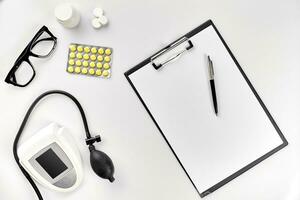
point(89, 60)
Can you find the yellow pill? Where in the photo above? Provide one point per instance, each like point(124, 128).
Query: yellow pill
point(77, 70)
point(107, 59)
point(85, 63)
point(105, 73)
point(99, 65)
point(78, 62)
point(71, 62)
point(101, 51)
point(70, 69)
point(86, 49)
point(86, 56)
point(91, 71)
point(79, 55)
point(84, 71)
point(94, 50)
point(100, 58)
point(93, 57)
point(80, 48)
point(92, 64)
point(98, 72)
point(72, 55)
point(107, 51)
point(73, 48)
point(106, 66)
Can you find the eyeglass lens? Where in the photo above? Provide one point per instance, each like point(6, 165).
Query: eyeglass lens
point(24, 73)
point(43, 45)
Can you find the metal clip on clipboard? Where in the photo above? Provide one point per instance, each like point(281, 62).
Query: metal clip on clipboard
point(171, 52)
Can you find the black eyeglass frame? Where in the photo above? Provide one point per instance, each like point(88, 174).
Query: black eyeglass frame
point(26, 53)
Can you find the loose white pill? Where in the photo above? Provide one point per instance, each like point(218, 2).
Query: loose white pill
point(103, 20)
point(98, 12)
point(95, 23)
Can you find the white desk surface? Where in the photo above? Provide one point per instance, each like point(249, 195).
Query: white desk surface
point(263, 35)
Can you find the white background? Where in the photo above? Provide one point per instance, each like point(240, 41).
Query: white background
point(263, 35)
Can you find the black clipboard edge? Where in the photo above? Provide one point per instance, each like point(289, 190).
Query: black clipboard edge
point(250, 165)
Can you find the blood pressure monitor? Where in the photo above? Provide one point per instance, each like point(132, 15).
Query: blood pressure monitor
point(51, 156)
point(52, 159)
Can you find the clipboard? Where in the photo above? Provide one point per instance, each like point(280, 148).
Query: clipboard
point(173, 87)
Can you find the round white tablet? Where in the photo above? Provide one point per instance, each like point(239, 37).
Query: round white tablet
point(103, 20)
point(95, 23)
point(98, 12)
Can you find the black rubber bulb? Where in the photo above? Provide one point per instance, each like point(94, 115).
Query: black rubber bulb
point(101, 164)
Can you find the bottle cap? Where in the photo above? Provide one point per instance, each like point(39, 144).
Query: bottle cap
point(67, 15)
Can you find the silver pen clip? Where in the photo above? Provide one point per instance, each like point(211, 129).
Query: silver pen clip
point(211, 68)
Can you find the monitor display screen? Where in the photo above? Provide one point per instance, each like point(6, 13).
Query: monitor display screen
point(51, 163)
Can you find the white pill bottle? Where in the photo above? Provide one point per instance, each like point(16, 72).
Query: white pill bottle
point(67, 15)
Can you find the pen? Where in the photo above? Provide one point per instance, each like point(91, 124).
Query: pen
point(212, 84)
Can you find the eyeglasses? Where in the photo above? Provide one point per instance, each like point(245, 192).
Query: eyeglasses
point(41, 46)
